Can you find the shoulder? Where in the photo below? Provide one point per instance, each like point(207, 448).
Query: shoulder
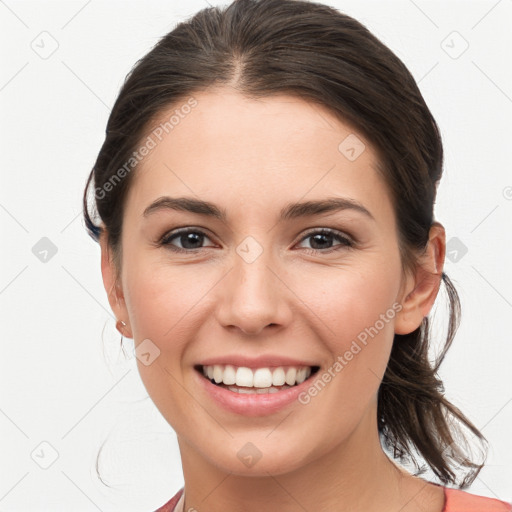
point(462, 501)
point(171, 504)
point(456, 501)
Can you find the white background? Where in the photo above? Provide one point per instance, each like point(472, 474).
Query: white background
point(63, 380)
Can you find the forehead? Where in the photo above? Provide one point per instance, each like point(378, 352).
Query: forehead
point(258, 153)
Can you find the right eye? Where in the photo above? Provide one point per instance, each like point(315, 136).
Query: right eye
point(190, 239)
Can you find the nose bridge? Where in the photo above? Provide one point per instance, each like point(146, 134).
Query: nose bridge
point(252, 278)
point(254, 297)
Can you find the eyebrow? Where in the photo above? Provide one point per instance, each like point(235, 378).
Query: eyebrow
point(290, 211)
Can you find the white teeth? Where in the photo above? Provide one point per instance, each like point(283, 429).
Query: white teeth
point(302, 375)
point(278, 377)
point(291, 374)
point(229, 377)
point(217, 373)
point(244, 377)
point(266, 379)
point(262, 378)
point(257, 391)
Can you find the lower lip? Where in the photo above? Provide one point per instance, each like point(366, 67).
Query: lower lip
point(252, 404)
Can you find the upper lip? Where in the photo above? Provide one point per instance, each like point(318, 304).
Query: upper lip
point(263, 361)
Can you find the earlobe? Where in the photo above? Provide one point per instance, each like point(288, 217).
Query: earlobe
point(422, 288)
point(113, 287)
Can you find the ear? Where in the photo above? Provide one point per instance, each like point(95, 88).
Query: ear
point(113, 286)
point(421, 287)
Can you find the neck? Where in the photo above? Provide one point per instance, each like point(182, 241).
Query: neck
point(354, 475)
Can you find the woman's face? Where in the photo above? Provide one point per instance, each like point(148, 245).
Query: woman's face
point(261, 288)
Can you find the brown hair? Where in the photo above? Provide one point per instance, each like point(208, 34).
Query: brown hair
point(314, 52)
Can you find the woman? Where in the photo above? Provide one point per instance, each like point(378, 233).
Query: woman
point(265, 197)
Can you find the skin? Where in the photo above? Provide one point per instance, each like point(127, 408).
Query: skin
point(251, 157)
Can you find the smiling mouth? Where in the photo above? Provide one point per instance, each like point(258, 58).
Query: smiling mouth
point(245, 380)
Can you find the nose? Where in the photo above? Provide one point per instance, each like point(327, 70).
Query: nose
point(254, 297)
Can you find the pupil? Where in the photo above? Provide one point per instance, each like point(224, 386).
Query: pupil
point(191, 237)
point(317, 236)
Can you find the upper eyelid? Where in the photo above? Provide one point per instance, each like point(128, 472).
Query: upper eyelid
point(329, 231)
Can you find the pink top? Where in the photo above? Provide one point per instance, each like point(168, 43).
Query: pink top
point(455, 500)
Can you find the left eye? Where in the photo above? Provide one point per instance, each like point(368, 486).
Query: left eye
point(323, 237)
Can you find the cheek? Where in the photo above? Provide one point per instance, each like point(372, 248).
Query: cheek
point(357, 323)
point(162, 302)
point(161, 299)
point(346, 301)
point(355, 309)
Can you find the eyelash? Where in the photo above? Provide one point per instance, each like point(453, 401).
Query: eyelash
point(345, 242)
